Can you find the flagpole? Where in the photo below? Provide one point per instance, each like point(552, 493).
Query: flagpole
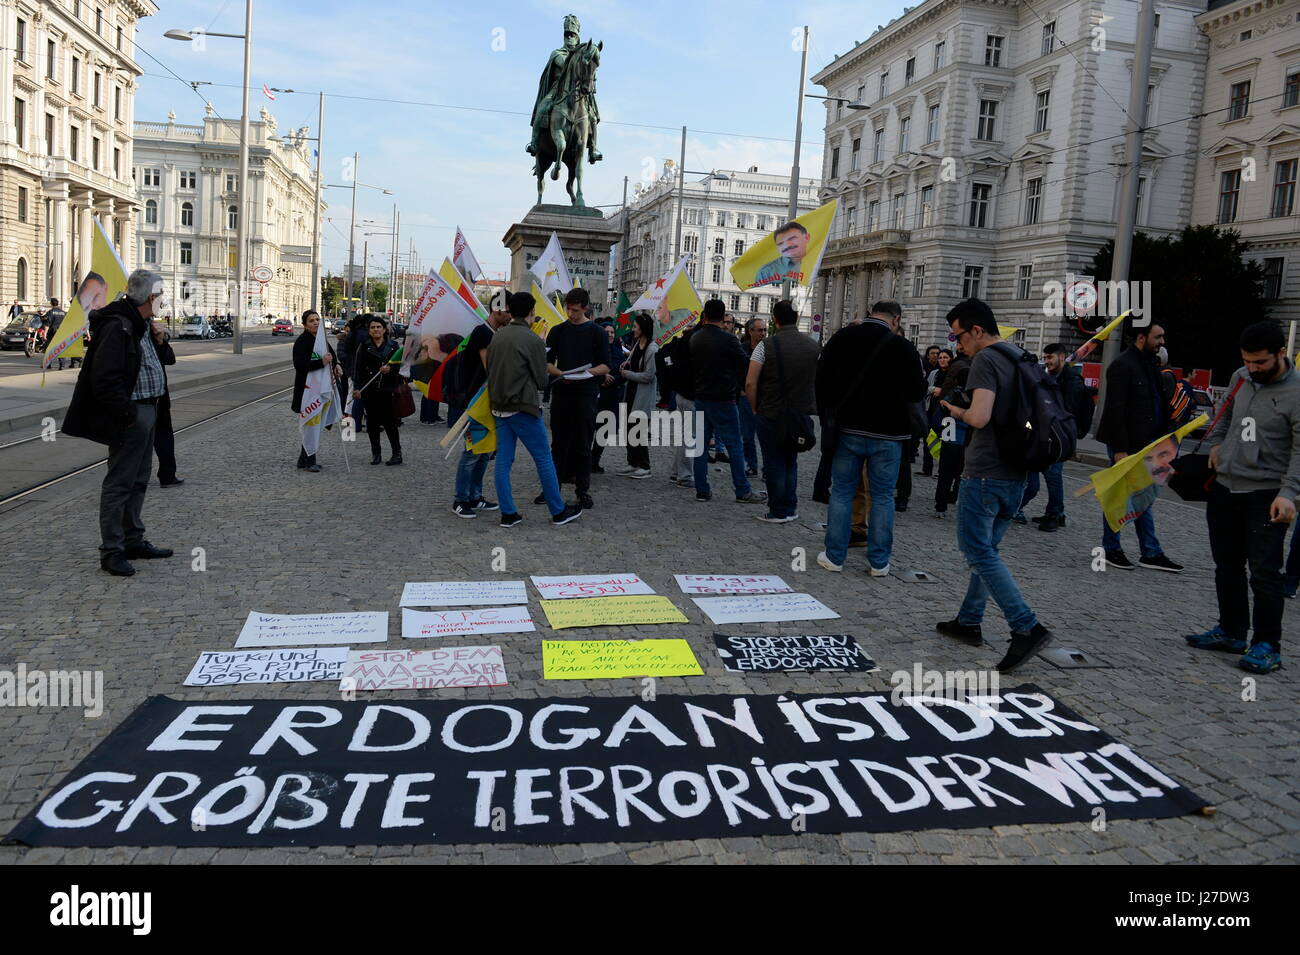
point(315, 219)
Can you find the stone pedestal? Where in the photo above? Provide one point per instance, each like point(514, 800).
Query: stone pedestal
point(586, 237)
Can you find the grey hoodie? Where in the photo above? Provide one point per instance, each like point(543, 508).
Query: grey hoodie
point(1272, 459)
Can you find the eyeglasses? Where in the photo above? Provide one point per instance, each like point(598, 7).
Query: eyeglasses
point(956, 336)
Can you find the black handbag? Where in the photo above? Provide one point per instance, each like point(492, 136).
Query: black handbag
point(794, 430)
point(1193, 475)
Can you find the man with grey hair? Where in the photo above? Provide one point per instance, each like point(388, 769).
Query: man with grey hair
point(115, 402)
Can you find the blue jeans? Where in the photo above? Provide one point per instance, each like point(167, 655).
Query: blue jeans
point(984, 511)
point(470, 471)
point(358, 412)
point(1055, 489)
point(722, 423)
point(428, 410)
point(780, 471)
point(1145, 525)
point(882, 459)
point(452, 415)
point(530, 430)
point(747, 432)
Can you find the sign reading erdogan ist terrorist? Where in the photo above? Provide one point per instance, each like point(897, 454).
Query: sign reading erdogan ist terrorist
point(330, 772)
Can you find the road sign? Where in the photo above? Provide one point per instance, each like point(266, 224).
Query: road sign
point(263, 273)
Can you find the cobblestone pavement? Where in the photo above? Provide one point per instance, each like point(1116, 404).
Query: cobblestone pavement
point(282, 540)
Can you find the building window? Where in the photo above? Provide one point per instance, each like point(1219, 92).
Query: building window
point(939, 50)
point(850, 220)
point(75, 84)
point(95, 88)
point(189, 179)
point(153, 177)
point(232, 218)
point(992, 50)
point(884, 84)
point(877, 144)
point(760, 223)
point(1246, 35)
point(718, 245)
point(20, 40)
point(927, 206)
point(151, 212)
point(1291, 95)
point(1229, 189)
point(187, 213)
point(1239, 100)
point(232, 182)
point(1049, 37)
point(99, 21)
point(970, 283)
point(932, 124)
point(722, 220)
point(76, 9)
point(979, 205)
point(739, 247)
point(151, 251)
point(692, 216)
point(1033, 201)
point(735, 303)
point(117, 103)
point(753, 303)
point(909, 70)
point(898, 210)
point(918, 281)
point(690, 243)
point(1141, 199)
point(51, 57)
point(873, 214)
point(74, 144)
point(119, 37)
point(1284, 188)
point(905, 134)
point(717, 271)
point(988, 119)
point(835, 163)
point(22, 203)
point(94, 153)
point(1024, 281)
point(20, 122)
point(22, 279)
point(49, 134)
point(856, 153)
point(1272, 279)
point(1042, 106)
point(117, 163)
point(187, 253)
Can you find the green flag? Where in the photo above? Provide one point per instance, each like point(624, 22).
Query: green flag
point(624, 324)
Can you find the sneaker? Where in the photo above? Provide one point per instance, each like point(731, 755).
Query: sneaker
point(1161, 562)
point(461, 509)
point(116, 564)
point(683, 482)
point(1019, 517)
point(1119, 560)
point(857, 539)
point(703, 496)
point(773, 519)
point(970, 633)
point(585, 503)
point(879, 572)
point(1261, 658)
point(510, 520)
point(540, 498)
point(753, 497)
point(1216, 638)
point(625, 469)
point(941, 514)
point(1290, 585)
point(1023, 647)
point(483, 504)
point(1050, 522)
point(827, 564)
point(1060, 519)
point(639, 474)
point(571, 512)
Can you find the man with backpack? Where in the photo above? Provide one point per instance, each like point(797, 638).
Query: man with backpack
point(1076, 400)
point(1008, 391)
point(1135, 414)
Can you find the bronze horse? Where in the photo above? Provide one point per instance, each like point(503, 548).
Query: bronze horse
point(568, 124)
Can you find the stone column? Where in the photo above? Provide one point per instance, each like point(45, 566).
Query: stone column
point(860, 303)
point(835, 318)
point(86, 227)
point(61, 239)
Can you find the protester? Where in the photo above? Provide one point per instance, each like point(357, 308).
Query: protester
point(305, 360)
point(935, 365)
point(470, 367)
point(991, 487)
point(51, 320)
point(115, 402)
point(164, 438)
point(1075, 398)
point(1255, 454)
point(718, 366)
point(374, 379)
point(516, 372)
point(639, 371)
point(781, 383)
point(953, 437)
point(342, 360)
point(755, 333)
point(611, 389)
point(1135, 414)
point(572, 344)
point(679, 374)
point(868, 377)
point(359, 334)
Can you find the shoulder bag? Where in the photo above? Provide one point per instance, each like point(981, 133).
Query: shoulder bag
point(1193, 475)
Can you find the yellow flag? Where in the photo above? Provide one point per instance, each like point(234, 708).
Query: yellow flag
point(1128, 487)
point(933, 444)
point(101, 285)
point(481, 435)
point(673, 301)
point(794, 252)
point(548, 316)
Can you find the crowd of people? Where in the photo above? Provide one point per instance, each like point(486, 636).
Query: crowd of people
point(755, 395)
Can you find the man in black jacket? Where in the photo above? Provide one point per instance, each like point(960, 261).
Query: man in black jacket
point(1135, 414)
point(719, 366)
point(115, 402)
point(1075, 399)
point(678, 378)
point(866, 379)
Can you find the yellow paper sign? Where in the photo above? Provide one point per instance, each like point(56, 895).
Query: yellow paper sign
point(610, 611)
point(611, 659)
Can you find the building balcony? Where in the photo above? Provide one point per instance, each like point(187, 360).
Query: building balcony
point(882, 245)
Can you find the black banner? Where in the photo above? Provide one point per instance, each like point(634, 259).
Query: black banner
point(293, 772)
point(822, 651)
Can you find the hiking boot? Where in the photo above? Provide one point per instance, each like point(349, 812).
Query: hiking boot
point(970, 633)
point(1023, 647)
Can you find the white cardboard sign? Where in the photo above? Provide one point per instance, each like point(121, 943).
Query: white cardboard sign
point(463, 593)
point(232, 667)
point(764, 608)
point(310, 629)
point(423, 669)
point(732, 584)
point(420, 624)
point(590, 585)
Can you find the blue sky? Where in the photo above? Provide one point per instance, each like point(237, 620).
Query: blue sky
point(728, 68)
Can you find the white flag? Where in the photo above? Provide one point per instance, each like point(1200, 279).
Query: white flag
point(659, 289)
point(320, 399)
point(463, 258)
point(550, 268)
point(439, 310)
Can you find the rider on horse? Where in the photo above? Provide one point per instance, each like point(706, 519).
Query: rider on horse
point(548, 92)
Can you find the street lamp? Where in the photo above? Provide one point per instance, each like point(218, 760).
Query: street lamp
point(241, 263)
point(347, 279)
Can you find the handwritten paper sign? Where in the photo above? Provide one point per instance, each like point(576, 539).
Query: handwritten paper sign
point(423, 669)
point(611, 659)
point(228, 668)
point(766, 608)
point(732, 584)
point(610, 612)
point(308, 629)
point(417, 624)
point(463, 593)
point(590, 585)
point(824, 651)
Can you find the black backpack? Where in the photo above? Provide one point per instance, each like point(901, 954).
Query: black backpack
point(453, 383)
point(1036, 429)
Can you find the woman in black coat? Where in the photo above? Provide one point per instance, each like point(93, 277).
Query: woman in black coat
point(305, 359)
point(374, 381)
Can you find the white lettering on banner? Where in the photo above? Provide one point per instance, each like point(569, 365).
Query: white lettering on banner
point(764, 608)
point(418, 624)
point(288, 630)
point(229, 668)
point(731, 584)
point(590, 585)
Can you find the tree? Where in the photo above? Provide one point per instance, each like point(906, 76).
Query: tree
point(1203, 293)
point(378, 293)
point(331, 290)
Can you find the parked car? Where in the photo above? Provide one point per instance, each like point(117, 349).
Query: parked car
point(340, 324)
point(193, 326)
point(282, 326)
point(14, 337)
point(397, 330)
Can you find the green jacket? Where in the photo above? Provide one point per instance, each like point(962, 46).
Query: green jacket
point(516, 369)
